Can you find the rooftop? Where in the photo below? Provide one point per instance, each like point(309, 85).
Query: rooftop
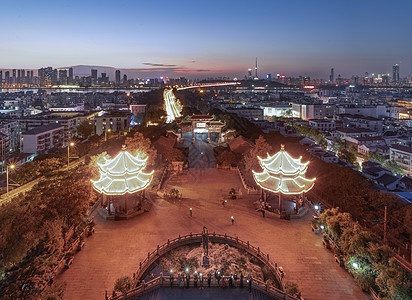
point(44, 128)
point(402, 148)
point(354, 130)
point(387, 179)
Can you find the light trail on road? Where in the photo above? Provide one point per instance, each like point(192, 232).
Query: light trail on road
point(172, 106)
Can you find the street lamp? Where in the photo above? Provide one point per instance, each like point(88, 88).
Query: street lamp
point(7, 177)
point(105, 134)
point(71, 144)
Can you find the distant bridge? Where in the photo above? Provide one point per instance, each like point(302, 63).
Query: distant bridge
point(201, 85)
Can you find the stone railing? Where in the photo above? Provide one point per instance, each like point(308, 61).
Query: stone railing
point(152, 257)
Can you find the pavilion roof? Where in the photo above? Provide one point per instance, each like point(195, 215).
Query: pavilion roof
point(283, 173)
point(201, 117)
point(283, 163)
point(123, 162)
point(285, 185)
point(122, 174)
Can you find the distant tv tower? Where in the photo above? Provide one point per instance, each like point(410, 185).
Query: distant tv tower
point(256, 68)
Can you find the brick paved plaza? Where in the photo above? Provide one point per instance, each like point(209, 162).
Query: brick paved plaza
point(117, 247)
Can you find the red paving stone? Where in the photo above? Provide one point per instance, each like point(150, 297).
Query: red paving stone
point(117, 247)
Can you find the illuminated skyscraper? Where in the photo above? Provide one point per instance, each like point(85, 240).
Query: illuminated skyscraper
point(332, 75)
point(14, 76)
point(45, 76)
point(395, 75)
point(62, 77)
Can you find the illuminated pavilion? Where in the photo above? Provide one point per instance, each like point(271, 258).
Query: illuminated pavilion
point(122, 183)
point(283, 174)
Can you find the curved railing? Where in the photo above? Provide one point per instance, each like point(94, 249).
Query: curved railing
point(196, 238)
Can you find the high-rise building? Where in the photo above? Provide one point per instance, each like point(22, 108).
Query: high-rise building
point(395, 76)
point(1, 77)
point(332, 75)
point(7, 77)
point(62, 77)
point(249, 73)
point(18, 76)
point(30, 77)
point(45, 76)
point(54, 77)
point(256, 71)
point(14, 76)
point(70, 76)
point(124, 79)
point(94, 76)
point(117, 77)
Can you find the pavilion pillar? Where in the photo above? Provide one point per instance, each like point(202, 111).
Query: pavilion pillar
point(280, 203)
point(265, 197)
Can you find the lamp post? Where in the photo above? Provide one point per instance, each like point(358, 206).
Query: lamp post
point(105, 134)
point(7, 177)
point(71, 144)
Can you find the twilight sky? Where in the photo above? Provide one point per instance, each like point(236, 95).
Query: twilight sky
point(210, 38)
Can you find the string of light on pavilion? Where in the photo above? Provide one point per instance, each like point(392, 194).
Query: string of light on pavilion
point(172, 106)
point(122, 174)
point(283, 174)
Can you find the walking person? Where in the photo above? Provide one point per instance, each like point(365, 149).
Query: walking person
point(171, 279)
point(233, 219)
point(218, 279)
point(231, 280)
point(250, 284)
point(235, 280)
point(223, 281)
point(241, 280)
point(182, 281)
point(209, 279)
point(201, 280)
point(187, 280)
point(263, 212)
point(195, 279)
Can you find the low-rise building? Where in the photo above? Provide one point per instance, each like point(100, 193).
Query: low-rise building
point(4, 151)
point(115, 121)
point(402, 155)
point(306, 111)
point(248, 113)
point(42, 138)
point(322, 124)
point(354, 132)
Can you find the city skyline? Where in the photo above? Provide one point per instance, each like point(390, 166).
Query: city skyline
point(218, 39)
